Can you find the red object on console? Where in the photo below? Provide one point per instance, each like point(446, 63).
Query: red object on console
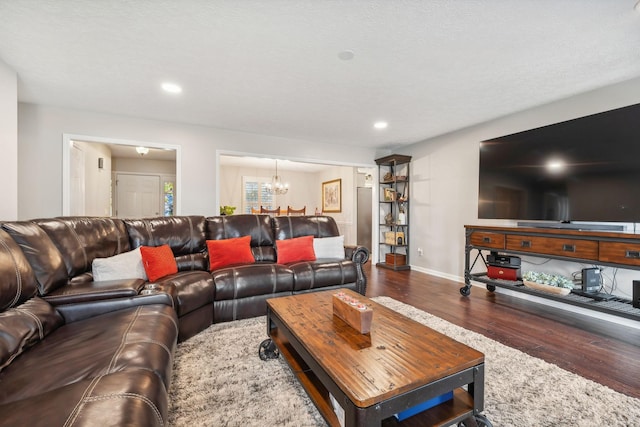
point(504, 273)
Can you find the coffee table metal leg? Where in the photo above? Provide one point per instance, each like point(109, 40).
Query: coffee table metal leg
point(268, 349)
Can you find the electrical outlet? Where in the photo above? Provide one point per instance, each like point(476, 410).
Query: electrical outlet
point(420, 252)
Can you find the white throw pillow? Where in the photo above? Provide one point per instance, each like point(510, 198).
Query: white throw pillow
point(329, 247)
point(127, 265)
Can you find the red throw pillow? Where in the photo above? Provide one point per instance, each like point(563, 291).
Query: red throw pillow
point(296, 249)
point(158, 261)
point(226, 252)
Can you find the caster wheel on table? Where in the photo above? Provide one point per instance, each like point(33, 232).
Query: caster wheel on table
point(491, 288)
point(477, 420)
point(268, 350)
point(465, 291)
point(483, 421)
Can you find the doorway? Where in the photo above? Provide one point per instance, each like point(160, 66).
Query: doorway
point(305, 179)
point(90, 165)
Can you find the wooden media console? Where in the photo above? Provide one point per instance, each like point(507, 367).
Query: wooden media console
point(615, 249)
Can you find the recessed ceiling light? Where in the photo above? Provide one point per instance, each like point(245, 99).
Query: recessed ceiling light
point(556, 165)
point(346, 55)
point(380, 125)
point(171, 87)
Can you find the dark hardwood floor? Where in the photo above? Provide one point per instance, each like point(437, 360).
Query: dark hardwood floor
point(602, 351)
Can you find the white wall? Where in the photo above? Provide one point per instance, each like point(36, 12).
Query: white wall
point(8, 142)
point(40, 134)
point(445, 182)
point(142, 165)
point(97, 182)
point(346, 219)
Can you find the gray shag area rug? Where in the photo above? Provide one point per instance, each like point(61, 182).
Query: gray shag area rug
point(219, 380)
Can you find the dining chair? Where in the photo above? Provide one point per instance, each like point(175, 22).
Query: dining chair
point(292, 211)
point(270, 211)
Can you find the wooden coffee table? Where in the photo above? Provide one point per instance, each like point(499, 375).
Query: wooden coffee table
point(398, 365)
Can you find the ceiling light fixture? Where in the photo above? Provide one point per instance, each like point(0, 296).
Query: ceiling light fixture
point(380, 125)
point(277, 187)
point(171, 87)
point(142, 150)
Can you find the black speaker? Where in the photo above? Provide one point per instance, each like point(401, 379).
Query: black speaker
point(590, 279)
point(636, 293)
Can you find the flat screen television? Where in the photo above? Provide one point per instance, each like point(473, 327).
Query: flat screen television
point(586, 169)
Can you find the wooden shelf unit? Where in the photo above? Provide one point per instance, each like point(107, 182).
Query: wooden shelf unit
point(393, 201)
point(614, 249)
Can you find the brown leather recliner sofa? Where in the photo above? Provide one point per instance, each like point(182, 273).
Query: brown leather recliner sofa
point(74, 351)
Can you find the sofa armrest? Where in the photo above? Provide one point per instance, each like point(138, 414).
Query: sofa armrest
point(94, 291)
point(84, 310)
point(359, 255)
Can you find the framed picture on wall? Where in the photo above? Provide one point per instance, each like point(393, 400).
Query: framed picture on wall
point(332, 196)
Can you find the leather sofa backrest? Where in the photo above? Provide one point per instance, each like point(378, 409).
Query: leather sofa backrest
point(44, 257)
point(287, 227)
point(81, 239)
point(184, 234)
point(18, 282)
point(256, 226)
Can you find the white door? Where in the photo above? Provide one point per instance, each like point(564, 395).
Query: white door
point(137, 196)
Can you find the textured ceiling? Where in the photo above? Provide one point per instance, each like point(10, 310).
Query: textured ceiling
point(272, 67)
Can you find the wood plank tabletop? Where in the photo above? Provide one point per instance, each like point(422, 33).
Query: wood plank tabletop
point(397, 356)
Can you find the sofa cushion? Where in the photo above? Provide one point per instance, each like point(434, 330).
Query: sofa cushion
point(193, 289)
point(128, 398)
point(184, 234)
point(158, 261)
point(225, 252)
point(256, 226)
point(313, 275)
point(81, 239)
point(124, 340)
point(296, 249)
point(329, 247)
point(23, 326)
point(17, 283)
point(287, 227)
point(43, 256)
point(127, 265)
point(251, 280)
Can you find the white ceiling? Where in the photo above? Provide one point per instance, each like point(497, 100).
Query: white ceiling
point(272, 67)
point(129, 151)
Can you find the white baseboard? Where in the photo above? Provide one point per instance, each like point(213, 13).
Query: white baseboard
point(439, 274)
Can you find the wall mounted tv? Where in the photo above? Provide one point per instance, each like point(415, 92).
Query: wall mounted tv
point(586, 169)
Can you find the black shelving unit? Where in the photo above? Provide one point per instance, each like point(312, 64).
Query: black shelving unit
point(393, 190)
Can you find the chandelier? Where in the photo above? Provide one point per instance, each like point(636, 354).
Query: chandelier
point(276, 186)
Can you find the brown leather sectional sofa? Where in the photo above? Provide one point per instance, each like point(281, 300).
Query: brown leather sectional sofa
point(74, 351)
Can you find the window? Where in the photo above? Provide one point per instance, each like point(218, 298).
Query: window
point(255, 194)
point(168, 199)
